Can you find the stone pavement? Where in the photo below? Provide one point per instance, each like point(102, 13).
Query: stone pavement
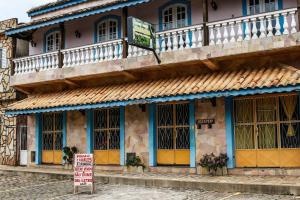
point(275, 185)
point(24, 187)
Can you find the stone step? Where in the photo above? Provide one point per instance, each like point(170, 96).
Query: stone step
point(265, 171)
point(172, 170)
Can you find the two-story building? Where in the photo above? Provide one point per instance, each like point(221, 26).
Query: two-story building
point(232, 63)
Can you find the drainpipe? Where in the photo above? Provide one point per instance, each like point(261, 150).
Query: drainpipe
point(62, 44)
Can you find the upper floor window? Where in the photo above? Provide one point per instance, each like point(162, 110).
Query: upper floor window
point(53, 41)
point(260, 6)
point(175, 16)
point(3, 63)
point(107, 30)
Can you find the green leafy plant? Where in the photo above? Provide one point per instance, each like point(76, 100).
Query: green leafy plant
point(212, 162)
point(134, 161)
point(69, 154)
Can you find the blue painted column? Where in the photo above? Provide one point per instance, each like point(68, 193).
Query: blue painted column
point(38, 139)
point(89, 131)
point(229, 131)
point(152, 135)
point(192, 134)
point(64, 138)
point(122, 135)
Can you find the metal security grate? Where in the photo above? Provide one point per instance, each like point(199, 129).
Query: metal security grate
point(173, 126)
point(52, 128)
point(107, 129)
point(267, 122)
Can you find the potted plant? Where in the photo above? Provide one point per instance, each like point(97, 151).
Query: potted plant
point(69, 156)
point(134, 164)
point(213, 165)
point(221, 161)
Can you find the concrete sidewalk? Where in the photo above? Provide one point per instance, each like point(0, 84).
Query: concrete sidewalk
point(248, 184)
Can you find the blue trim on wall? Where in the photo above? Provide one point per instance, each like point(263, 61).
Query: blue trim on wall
point(229, 132)
point(64, 130)
point(244, 7)
point(38, 139)
point(75, 16)
point(89, 131)
point(122, 135)
point(192, 134)
point(46, 34)
point(243, 92)
point(152, 135)
point(115, 17)
point(53, 8)
point(172, 2)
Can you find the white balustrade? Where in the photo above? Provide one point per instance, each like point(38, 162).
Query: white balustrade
point(99, 52)
point(281, 22)
point(36, 63)
point(179, 39)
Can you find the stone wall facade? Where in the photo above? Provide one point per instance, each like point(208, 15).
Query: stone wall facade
point(8, 138)
point(137, 127)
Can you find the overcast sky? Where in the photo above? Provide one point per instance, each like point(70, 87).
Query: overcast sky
point(18, 8)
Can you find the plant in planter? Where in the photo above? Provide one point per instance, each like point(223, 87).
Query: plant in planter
point(134, 163)
point(221, 162)
point(213, 165)
point(69, 156)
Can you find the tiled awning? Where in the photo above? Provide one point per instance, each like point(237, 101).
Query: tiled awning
point(230, 83)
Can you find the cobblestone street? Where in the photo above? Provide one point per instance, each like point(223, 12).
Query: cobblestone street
point(21, 187)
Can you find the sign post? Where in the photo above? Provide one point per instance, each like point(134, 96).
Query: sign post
point(141, 34)
point(84, 171)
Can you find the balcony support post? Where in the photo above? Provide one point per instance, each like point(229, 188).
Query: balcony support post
point(62, 45)
point(124, 31)
point(205, 21)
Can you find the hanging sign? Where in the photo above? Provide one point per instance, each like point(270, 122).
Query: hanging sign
point(141, 34)
point(83, 171)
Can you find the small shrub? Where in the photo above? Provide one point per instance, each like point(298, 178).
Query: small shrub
point(135, 161)
point(212, 162)
point(69, 154)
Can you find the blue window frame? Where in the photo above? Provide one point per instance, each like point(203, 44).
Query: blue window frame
point(175, 14)
point(107, 28)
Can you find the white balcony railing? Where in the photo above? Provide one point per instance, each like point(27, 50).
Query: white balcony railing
point(281, 22)
point(36, 63)
point(173, 40)
point(99, 52)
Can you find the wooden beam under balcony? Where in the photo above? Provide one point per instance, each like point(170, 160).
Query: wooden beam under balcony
point(21, 89)
point(212, 65)
point(71, 83)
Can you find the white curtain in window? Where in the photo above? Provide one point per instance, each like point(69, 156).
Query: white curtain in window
point(289, 105)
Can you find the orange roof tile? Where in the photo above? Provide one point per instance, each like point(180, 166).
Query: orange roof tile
point(214, 82)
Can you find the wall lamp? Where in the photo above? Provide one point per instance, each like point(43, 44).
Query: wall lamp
point(33, 43)
point(77, 34)
point(214, 5)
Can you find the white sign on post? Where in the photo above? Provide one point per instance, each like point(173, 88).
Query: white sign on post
point(84, 171)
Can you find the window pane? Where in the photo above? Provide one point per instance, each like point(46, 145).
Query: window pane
point(267, 136)
point(100, 140)
point(182, 138)
point(290, 135)
point(266, 109)
point(244, 137)
point(165, 138)
point(289, 108)
point(182, 114)
point(244, 111)
point(165, 115)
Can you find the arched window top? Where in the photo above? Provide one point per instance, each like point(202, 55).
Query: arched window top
point(108, 28)
point(175, 16)
point(52, 40)
point(260, 6)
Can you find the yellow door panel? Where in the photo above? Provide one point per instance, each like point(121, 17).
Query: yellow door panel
point(267, 158)
point(57, 157)
point(182, 157)
point(165, 157)
point(101, 157)
point(290, 158)
point(245, 158)
point(47, 157)
point(114, 157)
